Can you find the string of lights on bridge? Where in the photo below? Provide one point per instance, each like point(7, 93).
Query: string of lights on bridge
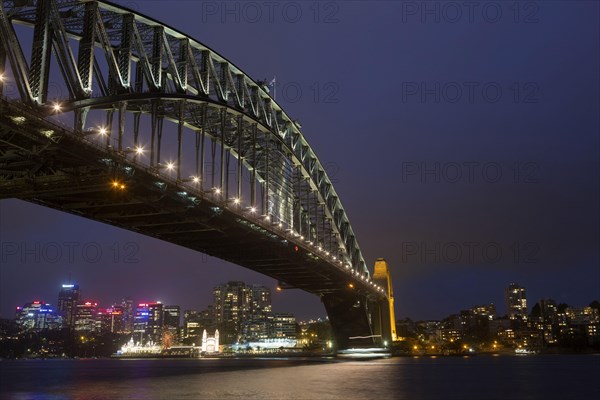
point(170, 166)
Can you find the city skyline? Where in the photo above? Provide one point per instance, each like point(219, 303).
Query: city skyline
point(501, 307)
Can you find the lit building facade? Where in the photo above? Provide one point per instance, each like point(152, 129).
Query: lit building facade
point(155, 321)
point(86, 317)
point(110, 320)
point(140, 323)
point(232, 303)
point(148, 322)
point(516, 302)
point(68, 298)
point(38, 315)
point(210, 344)
point(171, 319)
point(284, 326)
point(128, 314)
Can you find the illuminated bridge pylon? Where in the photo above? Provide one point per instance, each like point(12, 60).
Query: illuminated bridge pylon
point(116, 117)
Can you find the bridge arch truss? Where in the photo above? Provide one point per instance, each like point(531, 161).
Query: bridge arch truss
point(121, 75)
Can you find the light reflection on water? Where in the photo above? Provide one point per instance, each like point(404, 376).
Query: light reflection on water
point(481, 377)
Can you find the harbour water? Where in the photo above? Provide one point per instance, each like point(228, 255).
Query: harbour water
point(478, 377)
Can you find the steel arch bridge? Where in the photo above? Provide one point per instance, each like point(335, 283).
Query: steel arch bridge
point(86, 87)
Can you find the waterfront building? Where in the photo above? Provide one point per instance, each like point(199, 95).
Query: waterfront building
point(284, 326)
point(210, 344)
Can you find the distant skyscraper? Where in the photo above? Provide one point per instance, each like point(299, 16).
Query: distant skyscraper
point(128, 314)
point(68, 298)
point(148, 322)
point(155, 321)
point(516, 302)
point(171, 319)
point(86, 317)
point(110, 320)
point(140, 324)
point(38, 316)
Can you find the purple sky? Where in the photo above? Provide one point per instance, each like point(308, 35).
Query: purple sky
point(463, 144)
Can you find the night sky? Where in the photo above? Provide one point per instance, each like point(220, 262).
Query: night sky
point(463, 142)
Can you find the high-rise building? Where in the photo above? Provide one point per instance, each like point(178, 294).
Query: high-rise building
point(140, 324)
point(284, 326)
point(171, 319)
point(516, 302)
point(261, 301)
point(38, 315)
point(86, 317)
point(110, 320)
point(232, 302)
point(155, 321)
point(148, 322)
point(196, 321)
point(68, 298)
point(128, 314)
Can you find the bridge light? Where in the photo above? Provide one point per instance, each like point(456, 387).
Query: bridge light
point(102, 131)
point(280, 225)
point(351, 285)
point(217, 190)
point(195, 179)
point(139, 150)
point(301, 237)
point(1, 77)
point(170, 166)
point(252, 210)
point(236, 201)
point(57, 107)
point(115, 184)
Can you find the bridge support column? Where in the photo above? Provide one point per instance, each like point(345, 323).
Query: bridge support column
point(349, 317)
point(383, 317)
point(361, 321)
